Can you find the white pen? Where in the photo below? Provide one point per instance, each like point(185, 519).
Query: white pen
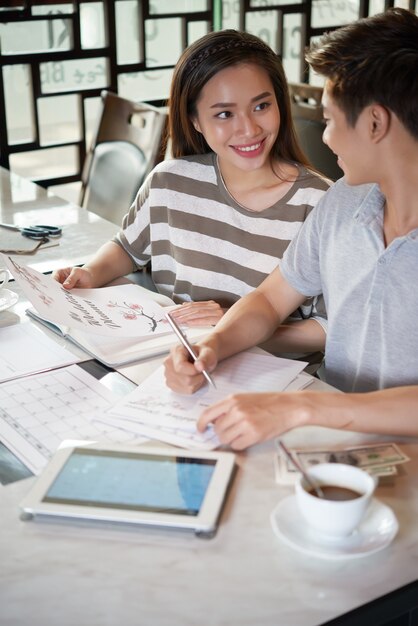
point(188, 346)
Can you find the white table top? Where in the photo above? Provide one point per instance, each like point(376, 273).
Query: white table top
point(23, 203)
point(73, 574)
point(245, 575)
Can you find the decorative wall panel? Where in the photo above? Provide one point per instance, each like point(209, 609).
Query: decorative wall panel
point(56, 57)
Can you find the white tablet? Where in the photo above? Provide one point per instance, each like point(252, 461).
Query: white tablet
point(155, 486)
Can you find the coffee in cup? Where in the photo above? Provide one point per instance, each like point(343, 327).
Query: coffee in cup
point(347, 492)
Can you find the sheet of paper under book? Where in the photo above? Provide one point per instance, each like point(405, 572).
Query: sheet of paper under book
point(154, 411)
point(26, 350)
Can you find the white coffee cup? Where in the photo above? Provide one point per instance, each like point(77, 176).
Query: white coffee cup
point(335, 518)
point(4, 278)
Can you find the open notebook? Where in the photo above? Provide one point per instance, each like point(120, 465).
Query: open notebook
point(117, 325)
point(118, 351)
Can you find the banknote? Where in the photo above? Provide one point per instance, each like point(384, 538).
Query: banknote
point(379, 459)
point(365, 456)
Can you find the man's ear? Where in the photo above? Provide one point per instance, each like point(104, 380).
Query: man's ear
point(379, 122)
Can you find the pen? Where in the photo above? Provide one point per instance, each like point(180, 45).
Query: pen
point(188, 346)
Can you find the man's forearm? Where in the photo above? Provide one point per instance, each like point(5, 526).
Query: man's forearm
point(388, 412)
point(255, 317)
point(248, 322)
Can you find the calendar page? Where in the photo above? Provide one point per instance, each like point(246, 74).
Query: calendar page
point(38, 412)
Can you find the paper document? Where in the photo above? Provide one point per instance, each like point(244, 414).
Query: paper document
point(155, 411)
point(38, 412)
point(301, 381)
point(15, 243)
point(26, 350)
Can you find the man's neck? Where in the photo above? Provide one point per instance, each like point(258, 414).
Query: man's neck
point(399, 185)
point(401, 212)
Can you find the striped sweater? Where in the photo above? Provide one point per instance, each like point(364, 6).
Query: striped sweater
point(202, 243)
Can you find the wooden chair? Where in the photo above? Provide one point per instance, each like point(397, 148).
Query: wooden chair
point(309, 124)
point(127, 144)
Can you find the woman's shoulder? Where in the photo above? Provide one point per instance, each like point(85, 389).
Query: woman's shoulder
point(311, 178)
point(308, 188)
point(198, 166)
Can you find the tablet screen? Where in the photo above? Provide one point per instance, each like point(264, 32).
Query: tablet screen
point(132, 481)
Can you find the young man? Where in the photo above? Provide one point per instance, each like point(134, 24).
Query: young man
point(359, 247)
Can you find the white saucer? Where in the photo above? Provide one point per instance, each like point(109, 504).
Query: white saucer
point(7, 299)
point(377, 530)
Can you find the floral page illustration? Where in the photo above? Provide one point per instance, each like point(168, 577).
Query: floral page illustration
point(120, 311)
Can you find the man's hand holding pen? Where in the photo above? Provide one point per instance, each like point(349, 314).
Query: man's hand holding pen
point(184, 376)
point(239, 420)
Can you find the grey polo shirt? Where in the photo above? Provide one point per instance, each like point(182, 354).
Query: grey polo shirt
point(371, 292)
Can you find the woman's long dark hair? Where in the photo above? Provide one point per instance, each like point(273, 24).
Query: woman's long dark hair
point(199, 63)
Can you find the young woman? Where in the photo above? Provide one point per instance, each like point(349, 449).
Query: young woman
point(215, 219)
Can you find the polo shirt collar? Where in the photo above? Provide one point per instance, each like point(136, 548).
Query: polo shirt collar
point(370, 212)
point(371, 208)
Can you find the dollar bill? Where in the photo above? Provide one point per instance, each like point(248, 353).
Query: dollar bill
point(377, 459)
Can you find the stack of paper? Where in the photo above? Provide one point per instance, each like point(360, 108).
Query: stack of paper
point(153, 410)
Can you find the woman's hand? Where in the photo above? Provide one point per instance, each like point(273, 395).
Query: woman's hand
point(71, 277)
point(241, 420)
point(110, 261)
point(198, 313)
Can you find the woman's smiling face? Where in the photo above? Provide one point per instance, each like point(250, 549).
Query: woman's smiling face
point(238, 114)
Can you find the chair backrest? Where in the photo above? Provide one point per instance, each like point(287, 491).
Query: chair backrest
point(309, 124)
point(127, 144)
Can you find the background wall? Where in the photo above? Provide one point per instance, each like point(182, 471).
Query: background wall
point(56, 57)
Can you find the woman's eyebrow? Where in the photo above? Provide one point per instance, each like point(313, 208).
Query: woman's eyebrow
point(265, 94)
point(225, 105)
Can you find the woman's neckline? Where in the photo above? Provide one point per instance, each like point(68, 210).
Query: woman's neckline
point(242, 206)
